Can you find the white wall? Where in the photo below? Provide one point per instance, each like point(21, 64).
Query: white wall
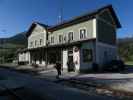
point(43, 62)
point(76, 58)
point(24, 57)
point(89, 25)
point(38, 33)
point(65, 59)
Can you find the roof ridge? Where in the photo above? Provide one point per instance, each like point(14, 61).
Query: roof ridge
point(90, 14)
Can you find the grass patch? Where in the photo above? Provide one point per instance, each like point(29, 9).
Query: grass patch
point(129, 63)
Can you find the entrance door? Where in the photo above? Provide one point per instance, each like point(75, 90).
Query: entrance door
point(70, 63)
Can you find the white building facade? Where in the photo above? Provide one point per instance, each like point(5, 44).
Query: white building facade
point(76, 44)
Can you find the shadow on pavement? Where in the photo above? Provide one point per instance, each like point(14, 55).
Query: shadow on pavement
point(32, 71)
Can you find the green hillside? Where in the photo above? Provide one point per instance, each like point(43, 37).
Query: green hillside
point(10, 46)
point(125, 47)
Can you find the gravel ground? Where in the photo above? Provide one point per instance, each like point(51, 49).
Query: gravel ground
point(91, 90)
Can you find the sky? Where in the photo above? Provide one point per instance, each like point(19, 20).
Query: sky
point(16, 16)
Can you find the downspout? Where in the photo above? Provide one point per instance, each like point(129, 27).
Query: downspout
point(46, 49)
point(96, 49)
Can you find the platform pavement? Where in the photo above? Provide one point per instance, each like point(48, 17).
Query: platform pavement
point(118, 81)
point(46, 89)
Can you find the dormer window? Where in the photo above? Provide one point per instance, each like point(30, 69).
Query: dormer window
point(70, 36)
point(83, 33)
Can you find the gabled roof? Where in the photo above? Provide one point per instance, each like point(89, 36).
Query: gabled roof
point(86, 17)
point(33, 25)
point(77, 20)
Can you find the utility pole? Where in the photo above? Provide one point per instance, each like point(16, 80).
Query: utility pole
point(60, 17)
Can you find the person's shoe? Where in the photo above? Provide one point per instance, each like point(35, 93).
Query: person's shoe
point(57, 77)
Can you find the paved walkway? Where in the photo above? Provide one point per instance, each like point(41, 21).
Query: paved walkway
point(117, 81)
point(45, 89)
point(51, 74)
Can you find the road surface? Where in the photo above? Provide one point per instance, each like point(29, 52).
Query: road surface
point(33, 88)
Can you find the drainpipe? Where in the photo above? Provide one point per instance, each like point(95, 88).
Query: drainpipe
point(46, 64)
point(46, 59)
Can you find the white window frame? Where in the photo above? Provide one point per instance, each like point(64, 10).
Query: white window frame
point(68, 35)
point(35, 43)
point(85, 36)
point(52, 39)
point(31, 44)
point(41, 40)
point(62, 38)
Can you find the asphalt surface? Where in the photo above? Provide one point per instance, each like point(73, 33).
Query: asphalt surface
point(36, 89)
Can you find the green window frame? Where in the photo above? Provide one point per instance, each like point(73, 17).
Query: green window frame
point(87, 55)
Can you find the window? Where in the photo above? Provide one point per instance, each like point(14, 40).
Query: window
point(70, 36)
point(82, 33)
point(35, 42)
point(87, 55)
point(65, 39)
point(40, 41)
point(52, 39)
point(31, 44)
point(60, 38)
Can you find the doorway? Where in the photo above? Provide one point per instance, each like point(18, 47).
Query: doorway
point(70, 63)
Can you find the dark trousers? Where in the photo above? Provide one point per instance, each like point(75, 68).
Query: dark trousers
point(58, 73)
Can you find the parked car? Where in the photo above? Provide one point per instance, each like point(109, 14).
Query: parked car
point(114, 65)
